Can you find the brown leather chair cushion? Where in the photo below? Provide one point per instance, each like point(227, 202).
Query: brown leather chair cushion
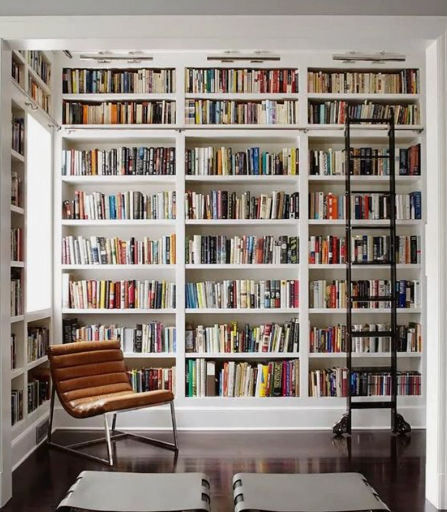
point(91, 379)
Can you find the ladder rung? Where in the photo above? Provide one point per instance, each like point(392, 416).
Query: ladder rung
point(384, 192)
point(372, 405)
point(370, 226)
point(366, 263)
point(373, 157)
point(372, 369)
point(372, 334)
point(371, 299)
point(368, 120)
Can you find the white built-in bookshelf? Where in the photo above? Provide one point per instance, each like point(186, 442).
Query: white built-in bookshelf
point(189, 131)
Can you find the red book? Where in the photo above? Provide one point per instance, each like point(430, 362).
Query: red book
point(131, 286)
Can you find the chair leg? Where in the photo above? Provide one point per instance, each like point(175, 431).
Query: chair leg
point(114, 422)
point(50, 423)
point(109, 440)
point(174, 425)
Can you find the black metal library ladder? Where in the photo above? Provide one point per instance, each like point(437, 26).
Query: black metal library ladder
point(398, 424)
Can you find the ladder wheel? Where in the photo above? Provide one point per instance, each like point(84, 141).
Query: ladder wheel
point(342, 427)
point(401, 427)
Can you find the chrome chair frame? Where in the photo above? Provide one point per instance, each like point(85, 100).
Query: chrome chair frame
point(111, 434)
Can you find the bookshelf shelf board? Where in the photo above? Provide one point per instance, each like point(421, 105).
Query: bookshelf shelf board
point(397, 97)
point(363, 355)
point(126, 222)
point(246, 400)
point(245, 355)
point(116, 126)
point(17, 56)
point(369, 311)
point(149, 355)
point(245, 127)
point(341, 401)
point(118, 133)
point(242, 96)
point(17, 264)
point(41, 314)
point(69, 311)
point(365, 127)
point(17, 372)
point(121, 180)
point(341, 222)
point(226, 311)
point(37, 362)
point(19, 318)
point(45, 87)
point(365, 179)
point(118, 267)
point(242, 222)
point(17, 210)
point(342, 266)
point(17, 426)
point(16, 156)
point(135, 96)
point(261, 179)
point(192, 266)
point(43, 409)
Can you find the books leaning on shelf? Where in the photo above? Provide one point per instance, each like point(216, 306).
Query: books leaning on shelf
point(221, 204)
point(16, 244)
point(118, 81)
point(225, 161)
point(16, 72)
point(98, 250)
point(332, 294)
point(331, 250)
point(152, 379)
point(222, 80)
point(16, 292)
point(374, 206)
point(404, 81)
point(38, 342)
point(36, 92)
point(120, 112)
point(151, 338)
point(243, 294)
point(91, 294)
point(16, 405)
point(334, 112)
point(38, 389)
point(334, 382)
point(272, 379)
point(13, 343)
point(16, 189)
point(18, 135)
point(367, 162)
point(122, 161)
point(265, 112)
point(241, 250)
point(40, 65)
point(127, 205)
point(332, 339)
point(232, 338)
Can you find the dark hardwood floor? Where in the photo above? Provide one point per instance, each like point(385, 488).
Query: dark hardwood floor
point(395, 467)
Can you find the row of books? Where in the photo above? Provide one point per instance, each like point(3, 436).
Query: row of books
point(225, 161)
point(332, 294)
point(99, 250)
point(126, 205)
point(38, 342)
point(116, 81)
point(266, 112)
point(222, 204)
point(16, 292)
point(328, 250)
point(152, 379)
point(243, 250)
point(243, 294)
point(374, 206)
point(222, 80)
point(405, 81)
point(123, 161)
point(366, 161)
point(38, 391)
point(232, 338)
point(333, 339)
point(334, 382)
point(13, 346)
point(150, 338)
point(16, 189)
point(37, 94)
point(121, 112)
point(233, 379)
point(16, 241)
point(18, 135)
point(16, 72)
point(134, 294)
point(334, 112)
point(16, 406)
point(40, 65)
